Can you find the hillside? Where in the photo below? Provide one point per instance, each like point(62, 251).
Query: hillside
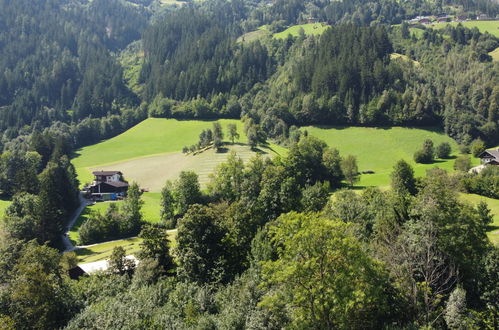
point(308, 29)
point(378, 149)
point(491, 27)
point(150, 152)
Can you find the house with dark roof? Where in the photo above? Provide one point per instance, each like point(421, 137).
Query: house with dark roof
point(490, 157)
point(108, 182)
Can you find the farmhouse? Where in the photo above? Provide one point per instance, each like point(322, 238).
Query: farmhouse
point(490, 157)
point(482, 17)
point(312, 20)
point(108, 182)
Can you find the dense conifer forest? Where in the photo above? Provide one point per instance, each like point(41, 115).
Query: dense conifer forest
point(264, 245)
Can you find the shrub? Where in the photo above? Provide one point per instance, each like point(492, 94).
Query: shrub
point(443, 150)
point(426, 154)
point(477, 147)
point(462, 164)
point(421, 157)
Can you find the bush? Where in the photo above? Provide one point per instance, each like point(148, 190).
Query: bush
point(443, 150)
point(462, 164)
point(426, 154)
point(477, 147)
point(464, 148)
point(422, 157)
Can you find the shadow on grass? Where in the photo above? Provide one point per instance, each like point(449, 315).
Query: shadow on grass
point(84, 252)
point(434, 129)
point(492, 228)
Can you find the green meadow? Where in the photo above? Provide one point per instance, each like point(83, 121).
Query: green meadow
point(491, 27)
point(378, 149)
point(312, 28)
point(493, 204)
point(495, 54)
point(103, 251)
point(150, 152)
point(3, 205)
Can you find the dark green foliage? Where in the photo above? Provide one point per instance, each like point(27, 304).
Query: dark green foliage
point(186, 191)
point(331, 160)
point(119, 263)
point(254, 132)
point(462, 163)
point(350, 169)
point(489, 279)
point(167, 202)
point(218, 136)
point(443, 150)
point(156, 245)
point(115, 223)
point(131, 211)
point(486, 183)
point(315, 197)
point(403, 181)
point(305, 161)
point(200, 248)
point(205, 138)
point(36, 293)
point(477, 147)
point(18, 172)
point(232, 131)
point(484, 213)
point(102, 227)
point(426, 154)
point(57, 57)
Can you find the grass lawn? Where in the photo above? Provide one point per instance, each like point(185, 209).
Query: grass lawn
point(3, 205)
point(495, 54)
point(152, 148)
point(417, 32)
point(491, 27)
point(494, 207)
point(261, 32)
point(395, 56)
point(103, 251)
point(151, 208)
point(378, 149)
point(313, 28)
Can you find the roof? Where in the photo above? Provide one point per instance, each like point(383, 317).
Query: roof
point(92, 267)
point(116, 184)
point(490, 153)
point(106, 172)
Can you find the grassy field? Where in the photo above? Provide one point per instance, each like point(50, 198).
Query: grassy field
point(149, 152)
point(494, 207)
point(313, 28)
point(103, 251)
point(378, 149)
point(395, 56)
point(3, 205)
point(491, 27)
point(261, 32)
point(417, 32)
point(495, 54)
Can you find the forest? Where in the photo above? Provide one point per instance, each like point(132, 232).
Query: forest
point(272, 243)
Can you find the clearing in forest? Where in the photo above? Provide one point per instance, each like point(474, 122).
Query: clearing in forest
point(378, 149)
point(150, 152)
point(491, 27)
point(493, 204)
point(312, 28)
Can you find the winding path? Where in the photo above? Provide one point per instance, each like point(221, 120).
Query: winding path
point(68, 246)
